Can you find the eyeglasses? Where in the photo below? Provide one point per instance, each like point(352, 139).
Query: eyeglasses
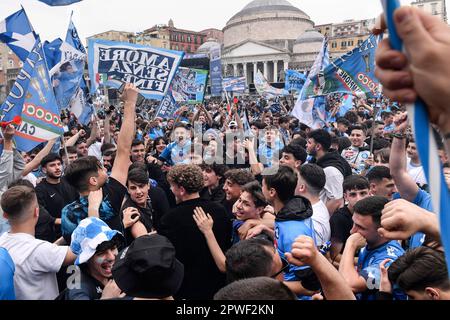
point(285, 266)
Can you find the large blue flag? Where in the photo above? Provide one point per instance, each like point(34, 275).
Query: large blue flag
point(59, 2)
point(17, 32)
point(353, 73)
point(150, 69)
point(32, 99)
point(294, 80)
point(167, 107)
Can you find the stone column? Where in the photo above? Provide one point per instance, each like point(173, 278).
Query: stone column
point(275, 71)
point(255, 70)
point(286, 65)
point(235, 69)
point(244, 65)
point(266, 70)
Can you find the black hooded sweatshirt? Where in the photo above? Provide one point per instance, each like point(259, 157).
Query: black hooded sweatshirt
point(334, 159)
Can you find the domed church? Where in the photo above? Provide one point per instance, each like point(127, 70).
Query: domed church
point(269, 35)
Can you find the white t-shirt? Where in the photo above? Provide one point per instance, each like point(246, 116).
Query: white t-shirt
point(95, 150)
point(321, 221)
point(416, 172)
point(36, 263)
point(333, 189)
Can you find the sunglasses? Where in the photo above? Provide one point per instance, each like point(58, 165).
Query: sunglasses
point(285, 266)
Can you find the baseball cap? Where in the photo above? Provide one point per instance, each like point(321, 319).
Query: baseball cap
point(232, 124)
point(88, 235)
point(148, 268)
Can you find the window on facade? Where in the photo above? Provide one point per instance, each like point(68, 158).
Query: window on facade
point(434, 9)
point(11, 63)
point(360, 42)
point(343, 44)
point(334, 45)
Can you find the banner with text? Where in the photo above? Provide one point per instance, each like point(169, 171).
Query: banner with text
point(150, 69)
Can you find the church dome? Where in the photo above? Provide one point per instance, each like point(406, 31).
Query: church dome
point(310, 36)
point(266, 20)
point(262, 6)
point(206, 47)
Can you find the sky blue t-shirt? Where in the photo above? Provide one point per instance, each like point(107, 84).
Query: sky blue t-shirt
point(175, 154)
point(423, 200)
point(369, 267)
point(7, 269)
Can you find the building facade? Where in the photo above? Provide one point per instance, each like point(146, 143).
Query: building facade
point(345, 36)
point(434, 7)
point(267, 35)
point(112, 35)
point(10, 66)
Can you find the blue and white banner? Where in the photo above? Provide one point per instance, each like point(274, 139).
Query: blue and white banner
point(294, 80)
point(234, 84)
point(54, 3)
point(265, 89)
point(353, 73)
point(303, 109)
point(17, 32)
point(150, 69)
point(67, 74)
point(167, 107)
point(32, 99)
point(215, 67)
point(188, 85)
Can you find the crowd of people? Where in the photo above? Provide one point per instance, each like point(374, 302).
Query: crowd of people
point(235, 202)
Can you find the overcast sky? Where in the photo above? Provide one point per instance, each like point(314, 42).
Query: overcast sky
point(95, 16)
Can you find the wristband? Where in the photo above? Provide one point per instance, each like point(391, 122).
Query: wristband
point(398, 135)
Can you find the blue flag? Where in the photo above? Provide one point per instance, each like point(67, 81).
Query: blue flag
point(353, 73)
point(167, 107)
point(52, 52)
point(215, 68)
point(347, 105)
point(17, 32)
point(54, 3)
point(294, 80)
point(73, 38)
point(234, 84)
point(304, 107)
point(150, 69)
point(33, 100)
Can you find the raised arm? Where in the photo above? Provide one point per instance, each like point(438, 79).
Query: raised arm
point(71, 142)
point(347, 266)
point(126, 135)
point(334, 286)
point(406, 186)
point(33, 164)
point(205, 223)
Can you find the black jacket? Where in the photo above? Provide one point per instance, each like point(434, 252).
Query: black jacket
point(334, 159)
point(202, 278)
point(298, 208)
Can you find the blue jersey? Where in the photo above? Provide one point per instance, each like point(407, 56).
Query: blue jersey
point(369, 266)
point(423, 200)
point(7, 270)
point(175, 154)
point(285, 234)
